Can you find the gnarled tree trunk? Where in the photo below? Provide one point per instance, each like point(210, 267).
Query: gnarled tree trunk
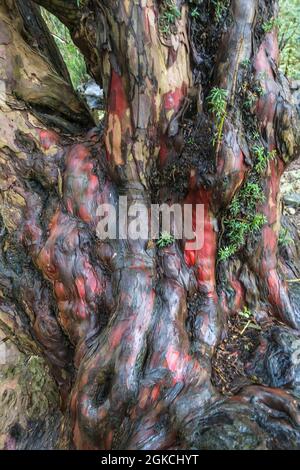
point(129, 330)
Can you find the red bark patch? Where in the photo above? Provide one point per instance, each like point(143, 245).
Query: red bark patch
point(239, 294)
point(172, 99)
point(117, 102)
point(163, 152)
point(204, 258)
point(82, 192)
point(48, 138)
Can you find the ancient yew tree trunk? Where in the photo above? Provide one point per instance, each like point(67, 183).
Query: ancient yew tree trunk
point(196, 112)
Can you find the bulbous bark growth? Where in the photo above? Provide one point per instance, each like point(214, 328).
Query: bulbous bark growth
point(129, 330)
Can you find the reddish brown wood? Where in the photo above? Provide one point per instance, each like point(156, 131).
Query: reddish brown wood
point(111, 317)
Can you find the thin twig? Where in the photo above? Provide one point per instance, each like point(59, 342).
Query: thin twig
point(245, 328)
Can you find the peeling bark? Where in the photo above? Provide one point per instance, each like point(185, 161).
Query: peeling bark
point(115, 320)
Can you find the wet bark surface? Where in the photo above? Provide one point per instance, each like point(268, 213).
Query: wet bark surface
point(130, 331)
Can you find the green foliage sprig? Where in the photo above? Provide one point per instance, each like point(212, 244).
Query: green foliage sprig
point(262, 158)
point(242, 219)
point(217, 102)
point(168, 16)
point(267, 26)
point(220, 8)
point(165, 239)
